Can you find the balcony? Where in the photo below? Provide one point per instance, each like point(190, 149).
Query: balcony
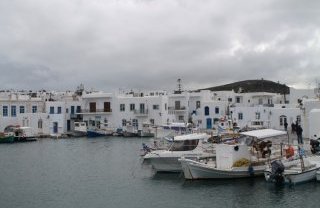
point(96, 111)
point(141, 112)
point(175, 110)
point(76, 116)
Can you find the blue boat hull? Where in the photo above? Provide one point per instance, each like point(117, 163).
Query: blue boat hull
point(95, 134)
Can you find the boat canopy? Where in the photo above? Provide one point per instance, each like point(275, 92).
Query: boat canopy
point(195, 136)
point(264, 133)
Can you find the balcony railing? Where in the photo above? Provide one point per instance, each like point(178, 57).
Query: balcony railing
point(100, 111)
point(177, 110)
point(141, 112)
point(75, 116)
point(181, 108)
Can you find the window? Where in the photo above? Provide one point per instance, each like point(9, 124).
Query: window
point(78, 109)
point(51, 110)
point(216, 110)
point(230, 100)
point(93, 107)
point(165, 106)
point(122, 107)
point(260, 101)
point(152, 121)
point(240, 116)
point(283, 120)
point(59, 110)
point(21, 109)
point(177, 105)
point(142, 108)
point(72, 109)
point(186, 145)
point(13, 111)
point(238, 100)
point(106, 107)
point(124, 122)
point(132, 107)
point(206, 111)
point(105, 122)
point(257, 115)
point(34, 109)
point(155, 107)
point(67, 110)
point(198, 104)
point(181, 118)
point(135, 122)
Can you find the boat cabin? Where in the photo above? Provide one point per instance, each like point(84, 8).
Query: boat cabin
point(186, 142)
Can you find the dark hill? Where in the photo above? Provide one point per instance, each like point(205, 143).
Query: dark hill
point(253, 86)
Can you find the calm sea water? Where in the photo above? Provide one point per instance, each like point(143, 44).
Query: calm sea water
point(107, 172)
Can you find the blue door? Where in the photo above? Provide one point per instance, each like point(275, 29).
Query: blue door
point(55, 127)
point(209, 123)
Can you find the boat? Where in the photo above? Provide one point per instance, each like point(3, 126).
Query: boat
point(6, 138)
point(238, 159)
point(188, 146)
point(130, 131)
point(291, 172)
point(99, 132)
point(298, 169)
point(171, 129)
point(224, 167)
point(80, 129)
point(118, 132)
point(146, 130)
point(21, 133)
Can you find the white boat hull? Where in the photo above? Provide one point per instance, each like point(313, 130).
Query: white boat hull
point(172, 163)
point(198, 170)
point(301, 177)
point(294, 177)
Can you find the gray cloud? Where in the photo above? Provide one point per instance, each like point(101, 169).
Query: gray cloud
point(149, 44)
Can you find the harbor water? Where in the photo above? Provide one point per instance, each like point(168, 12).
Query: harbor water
point(107, 172)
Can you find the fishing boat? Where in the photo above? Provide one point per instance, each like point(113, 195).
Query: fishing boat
point(291, 172)
point(245, 157)
point(80, 129)
point(21, 133)
point(99, 132)
point(130, 131)
point(146, 130)
point(6, 138)
point(225, 166)
point(187, 146)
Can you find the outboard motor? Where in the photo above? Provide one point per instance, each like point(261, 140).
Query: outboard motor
point(277, 169)
point(314, 146)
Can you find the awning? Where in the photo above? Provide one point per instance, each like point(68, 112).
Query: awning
point(264, 133)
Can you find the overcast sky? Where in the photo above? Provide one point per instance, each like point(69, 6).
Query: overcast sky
point(149, 44)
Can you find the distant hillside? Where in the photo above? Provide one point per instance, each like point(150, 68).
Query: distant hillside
point(253, 86)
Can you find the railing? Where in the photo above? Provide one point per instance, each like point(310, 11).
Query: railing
point(181, 108)
point(96, 111)
point(75, 116)
point(141, 112)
